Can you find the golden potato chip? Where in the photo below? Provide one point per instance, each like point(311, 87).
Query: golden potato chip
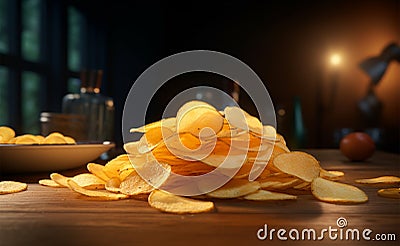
point(334, 192)
point(331, 175)
point(59, 179)
point(299, 164)
point(171, 203)
point(263, 195)
point(112, 168)
point(390, 193)
point(241, 119)
point(302, 186)
point(40, 138)
point(194, 116)
point(97, 170)
point(54, 138)
point(26, 139)
point(6, 134)
point(7, 187)
point(89, 181)
point(102, 194)
point(69, 140)
point(135, 185)
point(113, 185)
point(50, 183)
point(155, 173)
point(168, 123)
point(278, 183)
point(85, 180)
point(132, 148)
point(123, 174)
point(235, 188)
point(380, 180)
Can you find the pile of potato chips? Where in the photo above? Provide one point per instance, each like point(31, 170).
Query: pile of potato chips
point(7, 136)
point(181, 146)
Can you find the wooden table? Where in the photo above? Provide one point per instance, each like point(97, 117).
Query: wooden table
point(51, 216)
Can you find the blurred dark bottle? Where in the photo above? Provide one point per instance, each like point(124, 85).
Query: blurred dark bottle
point(95, 107)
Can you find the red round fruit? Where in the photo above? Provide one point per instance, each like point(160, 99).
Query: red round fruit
point(357, 146)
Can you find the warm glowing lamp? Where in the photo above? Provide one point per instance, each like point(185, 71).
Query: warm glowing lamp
point(335, 60)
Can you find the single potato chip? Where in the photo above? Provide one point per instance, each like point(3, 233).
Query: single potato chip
point(235, 188)
point(6, 134)
point(85, 180)
point(331, 175)
point(334, 192)
point(263, 195)
point(50, 183)
point(89, 181)
point(380, 180)
point(59, 179)
point(194, 116)
point(301, 186)
point(239, 118)
point(171, 203)
point(97, 170)
point(102, 194)
point(299, 164)
point(113, 185)
point(135, 185)
point(7, 187)
point(278, 183)
point(390, 193)
point(69, 140)
point(54, 138)
point(26, 139)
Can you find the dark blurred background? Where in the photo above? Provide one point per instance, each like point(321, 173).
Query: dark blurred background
point(306, 52)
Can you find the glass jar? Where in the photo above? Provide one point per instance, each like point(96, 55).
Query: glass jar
point(95, 107)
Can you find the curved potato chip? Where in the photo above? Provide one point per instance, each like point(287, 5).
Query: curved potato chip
point(26, 139)
point(302, 186)
point(167, 122)
point(89, 181)
point(40, 138)
point(69, 140)
point(50, 183)
point(84, 180)
point(171, 203)
point(279, 183)
point(331, 175)
point(334, 192)
point(54, 138)
point(113, 185)
point(239, 118)
point(263, 195)
point(97, 170)
point(132, 148)
point(380, 180)
point(6, 134)
point(299, 164)
point(102, 194)
point(235, 188)
point(155, 173)
point(390, 193)
point(194, 116)
point(135, 185)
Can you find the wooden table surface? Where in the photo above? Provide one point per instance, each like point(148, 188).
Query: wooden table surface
point(51, 216)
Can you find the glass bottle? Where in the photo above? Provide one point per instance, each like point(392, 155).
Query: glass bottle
point(97, 109)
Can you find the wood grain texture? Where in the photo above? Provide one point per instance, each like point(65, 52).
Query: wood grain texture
point(50, 216)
